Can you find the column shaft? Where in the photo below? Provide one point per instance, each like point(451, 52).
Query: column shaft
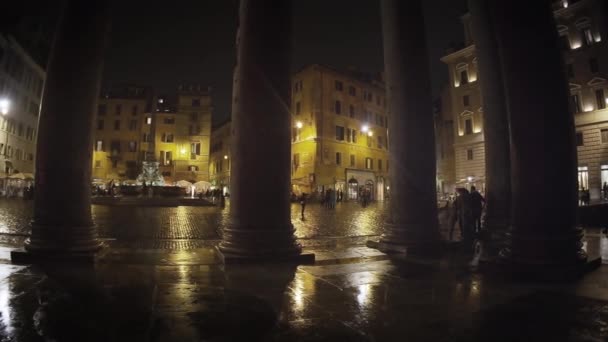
point(62, 204)
point(412, 225)
point(260, 216)
point(542, 137)
point(495, 122)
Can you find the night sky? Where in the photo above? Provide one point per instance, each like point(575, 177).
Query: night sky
point(192, 41)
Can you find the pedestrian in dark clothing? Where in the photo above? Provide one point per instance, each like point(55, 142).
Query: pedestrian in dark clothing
point(605, 190)
point(477, 202)
point(303, 198)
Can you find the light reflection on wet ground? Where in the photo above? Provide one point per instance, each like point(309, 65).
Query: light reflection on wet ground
point(129, 223)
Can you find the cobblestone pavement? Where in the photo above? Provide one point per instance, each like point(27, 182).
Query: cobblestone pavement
point(174, 226)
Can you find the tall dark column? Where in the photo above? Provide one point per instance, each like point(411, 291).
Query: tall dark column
point(412, 225)
point(62, 205)
point(260, 218)
point(543, 152)
point(495, 124)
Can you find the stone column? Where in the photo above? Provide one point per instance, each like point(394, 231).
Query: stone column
point(412, 225)
point(260, 218)
point(495, 126)
point(543, 236)
point(62, 223)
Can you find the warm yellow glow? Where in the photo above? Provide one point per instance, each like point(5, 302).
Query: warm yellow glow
point(477, 130)
point(226, 157)
point(565, 3)
point(183, 151)
point(473, 78)
point(370, 134)
point(5, 105)
point(456, 83)
point(576, 44)
point(588, 108)
point(469, 179)
point(299, 124)
point(365, 128)
point(597, 38)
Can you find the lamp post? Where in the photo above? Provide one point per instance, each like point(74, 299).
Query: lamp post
point(5, 105)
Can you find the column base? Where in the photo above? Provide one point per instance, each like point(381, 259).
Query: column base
point(252, 245)
point(493, 237)
point(410, 240)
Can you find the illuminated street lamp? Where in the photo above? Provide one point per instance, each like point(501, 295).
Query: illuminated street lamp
point(365, 128)
point(299, 124)
point(370, 134)
point(5, 105)
point(225, 157)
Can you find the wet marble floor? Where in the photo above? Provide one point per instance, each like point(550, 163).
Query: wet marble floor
point(363, 300)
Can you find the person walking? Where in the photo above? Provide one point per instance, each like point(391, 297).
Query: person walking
point(477, 203)
point(303, 198)
point(605, 190)
point(332, 198)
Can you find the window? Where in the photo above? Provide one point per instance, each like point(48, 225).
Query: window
point(464, 77)
point(352, 91)
point(99, 125)
point(338, 158)
point(132, 125)
point(147, 137)
point(115, 147)
point(379, 164)
point(118, 109)
point(132, 146)
point(600, 98)
point(570, 69)
point(369, 163)
point(339, 133)
point(165, 157)
point(20, 130)
point(134, 110)
point(593, 65)
point(196, 102)
point(117, 125)
point(349, 133)
point(369, 141)
point(469, 154)
point(351, 111)
point(466, 100)
point(354, 136)
point(579, 139)
point(583, 177)
point(295, 135)
point(99, 145)
point(167, 137)
point(98, 164)
point(195, 150)
point(604, 136)
point(169, 121)
point(564, 41)
point(468, 126)
point(193, 117)
point(380, 142)
point(148, 120)
point(297, 108)
point(575, 103)
point(296, 161)
point(102, 109)
point(352, 160)
point(587, 36)
point(297, 87)
point(338, 107)
point(339, 86)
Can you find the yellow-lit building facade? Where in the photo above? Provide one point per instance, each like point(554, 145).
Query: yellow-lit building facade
point(133, 125)
point(339, 132)
point(583, 30)
point(220, 158)
point(21, 85)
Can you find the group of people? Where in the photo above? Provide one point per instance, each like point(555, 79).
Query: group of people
point(466, 211)
point(331, 197)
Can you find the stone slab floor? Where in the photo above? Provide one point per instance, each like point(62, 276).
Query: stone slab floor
point(368, 297)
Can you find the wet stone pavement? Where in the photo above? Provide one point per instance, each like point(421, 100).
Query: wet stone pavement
point(137, 292)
